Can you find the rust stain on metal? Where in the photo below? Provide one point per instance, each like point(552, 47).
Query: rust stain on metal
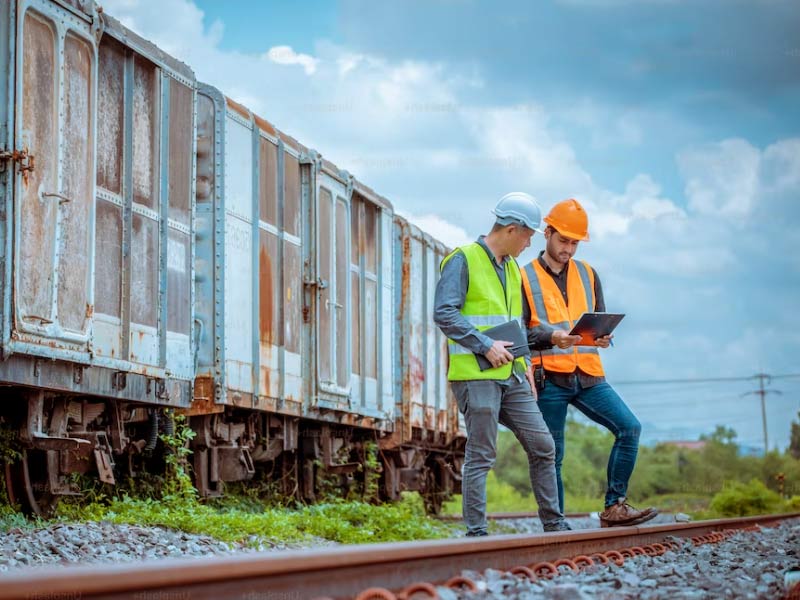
point(241, 399)
point(238, 108)
point(291, 142)
point(203, 389)
point(405, 286)
point(416, 375)
point(441, 421)
point(266, 293)
point(203, 398)
point(264, 125)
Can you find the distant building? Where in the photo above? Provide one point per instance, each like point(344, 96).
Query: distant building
point(687, 444)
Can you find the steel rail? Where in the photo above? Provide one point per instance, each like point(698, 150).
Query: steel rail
point(514, 515)
point(340, 572)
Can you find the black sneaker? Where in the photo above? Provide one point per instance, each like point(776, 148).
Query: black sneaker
point(476, 534)
point(561, 525)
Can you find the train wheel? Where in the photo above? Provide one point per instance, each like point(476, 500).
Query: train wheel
point(432, 494)
point(28, 485)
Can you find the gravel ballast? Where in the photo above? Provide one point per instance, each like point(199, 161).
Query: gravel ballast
point(104, 542)
point(748, 565)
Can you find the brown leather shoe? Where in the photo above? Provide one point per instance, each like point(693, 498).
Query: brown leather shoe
point(623, 514)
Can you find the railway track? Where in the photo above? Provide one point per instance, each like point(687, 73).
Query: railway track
point(347, 572)
point(514, 515)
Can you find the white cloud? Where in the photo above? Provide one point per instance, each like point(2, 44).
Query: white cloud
point(285, 55)
point(780, 166)
point(176, 26)
point(721, 179)
point(523, 134)
point(451, 235)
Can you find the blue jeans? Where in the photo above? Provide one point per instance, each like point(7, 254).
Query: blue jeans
point(511, 403)
point(604, 406)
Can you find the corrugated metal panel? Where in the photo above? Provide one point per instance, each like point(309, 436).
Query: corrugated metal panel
point(180, 234)
point(54, 242)
point(145, 220)
point(7, 77)
point(269, 326)
point(366, 250)
point(418, 321)
point(112, 235)
point(209, 298)
point(238, 260)
point(76, 225)
point(108, 268)
point(74, 101)
point(333, 308)
point(386, 312)
point(423, 398)
point(37, 220)
point(434, 398)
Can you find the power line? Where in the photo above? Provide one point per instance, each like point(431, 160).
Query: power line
point(703, 379)
point(762, 379)
point(762, 391)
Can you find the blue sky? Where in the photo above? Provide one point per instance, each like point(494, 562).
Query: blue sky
point(675, 122)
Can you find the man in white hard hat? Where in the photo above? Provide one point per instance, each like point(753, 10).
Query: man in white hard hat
point(480, 287)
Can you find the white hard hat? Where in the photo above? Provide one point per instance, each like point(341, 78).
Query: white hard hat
point(519, 207)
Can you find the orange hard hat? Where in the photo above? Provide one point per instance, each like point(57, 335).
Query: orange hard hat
point(569, 219)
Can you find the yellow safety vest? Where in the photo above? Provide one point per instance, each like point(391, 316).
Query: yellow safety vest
point(549, 308)
point(486, 305)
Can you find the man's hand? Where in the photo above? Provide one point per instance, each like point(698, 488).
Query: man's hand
point(498, 355)
point(564, 340)
point(532, 382)
point(604, 342)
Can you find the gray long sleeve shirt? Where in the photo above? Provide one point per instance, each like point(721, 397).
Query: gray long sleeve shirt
point(451, 292)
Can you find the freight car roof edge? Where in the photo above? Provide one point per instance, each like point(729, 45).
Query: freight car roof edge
point(331, 168)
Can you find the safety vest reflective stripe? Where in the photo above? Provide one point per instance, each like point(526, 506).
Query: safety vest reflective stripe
point(555, 350)
point(557, 314)
point(588, 284)
point(486, 304)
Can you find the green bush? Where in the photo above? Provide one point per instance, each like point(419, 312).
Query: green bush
point(741, 500)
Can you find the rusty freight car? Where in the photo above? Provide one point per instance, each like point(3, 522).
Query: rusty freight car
point(165, 249)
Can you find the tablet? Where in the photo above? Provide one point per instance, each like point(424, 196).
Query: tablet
point(593, 325)
point(508, 332)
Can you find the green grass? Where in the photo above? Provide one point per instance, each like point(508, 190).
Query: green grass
point(344, 522)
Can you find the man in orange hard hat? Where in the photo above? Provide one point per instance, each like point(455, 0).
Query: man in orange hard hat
point(558, 290)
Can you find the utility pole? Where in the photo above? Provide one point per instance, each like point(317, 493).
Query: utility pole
point(763, 381)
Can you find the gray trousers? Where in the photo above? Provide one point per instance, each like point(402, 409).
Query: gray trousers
point(511, 403)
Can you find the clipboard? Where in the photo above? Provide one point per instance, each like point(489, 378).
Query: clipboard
point(508, 332)
point(593, 325)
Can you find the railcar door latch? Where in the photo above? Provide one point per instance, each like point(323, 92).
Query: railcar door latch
point(27, 161)
point(318, 283)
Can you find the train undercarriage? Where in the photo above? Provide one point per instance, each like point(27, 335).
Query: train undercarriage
point(51, 439)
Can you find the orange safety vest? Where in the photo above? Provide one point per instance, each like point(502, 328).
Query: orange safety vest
point(548, 308)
